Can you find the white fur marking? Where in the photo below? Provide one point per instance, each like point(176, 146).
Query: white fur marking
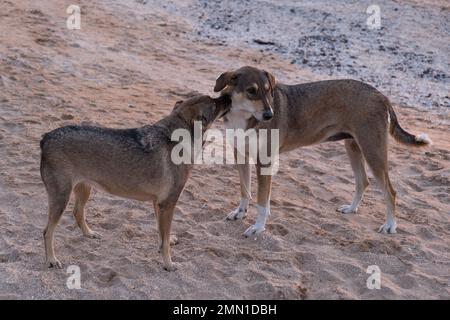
point(424, 138)
point(260, 224)
point(243, 204)
point(390, 226)
point(241, 111)
point(240, 212)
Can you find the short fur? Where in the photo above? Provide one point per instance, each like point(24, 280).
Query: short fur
point(311, 113)
point(131, 163)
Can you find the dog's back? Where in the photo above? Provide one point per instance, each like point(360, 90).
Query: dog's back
point(77, 134)
point(116, 160)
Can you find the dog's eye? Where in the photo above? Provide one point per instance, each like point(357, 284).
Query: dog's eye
point(251, 91)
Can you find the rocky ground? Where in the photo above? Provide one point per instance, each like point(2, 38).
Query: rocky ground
point(331, 38)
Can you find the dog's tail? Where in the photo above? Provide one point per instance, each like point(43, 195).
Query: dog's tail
point(405, 137)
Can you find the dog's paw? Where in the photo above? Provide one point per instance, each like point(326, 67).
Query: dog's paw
point(171, 267)
point(238, 213)
point(388, 227)
point(347, 209)
point(173, 240)
point(54, 263)
point(253, 230)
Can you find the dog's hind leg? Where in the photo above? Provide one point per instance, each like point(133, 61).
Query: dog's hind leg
point(82, 192)
point(376, 157)
point(58, 190)
point(357, 163)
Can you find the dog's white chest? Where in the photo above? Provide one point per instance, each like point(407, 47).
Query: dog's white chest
point(237, 119)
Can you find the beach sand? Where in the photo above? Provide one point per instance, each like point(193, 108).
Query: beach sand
point(126, 67)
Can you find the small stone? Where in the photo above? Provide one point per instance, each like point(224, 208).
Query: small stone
point(67, 117)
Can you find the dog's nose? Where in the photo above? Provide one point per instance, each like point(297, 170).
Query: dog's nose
point(267, 115)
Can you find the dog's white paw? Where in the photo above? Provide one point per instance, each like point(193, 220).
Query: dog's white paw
point(388, 227)
point(254, 230)
point(238, 213)
point(347, 209)
point(173, 240)
point(171, 267)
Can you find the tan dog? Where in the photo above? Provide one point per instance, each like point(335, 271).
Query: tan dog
point(131, 163)
point(312, 113)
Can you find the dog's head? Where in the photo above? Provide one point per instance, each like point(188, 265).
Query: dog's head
point(203, 108)
point(251, 91)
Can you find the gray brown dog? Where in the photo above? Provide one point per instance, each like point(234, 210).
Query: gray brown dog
point(131, 163)
point(311, 113)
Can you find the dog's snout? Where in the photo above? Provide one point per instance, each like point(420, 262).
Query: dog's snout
point(267, 115)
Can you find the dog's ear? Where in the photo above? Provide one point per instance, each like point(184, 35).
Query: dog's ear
point(177, 105)
point(224, 80)
point(271, 79)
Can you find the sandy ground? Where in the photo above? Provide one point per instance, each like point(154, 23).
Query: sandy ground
point(128, 65)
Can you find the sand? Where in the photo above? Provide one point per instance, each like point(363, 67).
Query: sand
point(126, 67)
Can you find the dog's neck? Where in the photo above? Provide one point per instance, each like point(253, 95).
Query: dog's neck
point(174, 122)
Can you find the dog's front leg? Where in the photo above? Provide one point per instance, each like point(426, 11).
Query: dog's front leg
point(164, 213)
point(263, 205)
point(245, 182)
